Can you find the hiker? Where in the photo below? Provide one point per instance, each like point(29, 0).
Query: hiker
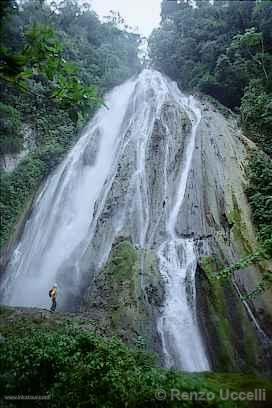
point(53, 295)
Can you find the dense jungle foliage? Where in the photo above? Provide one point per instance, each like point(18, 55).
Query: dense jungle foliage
point(73, 367)
point(224, 49)
point(76, 369)
point(56, 63)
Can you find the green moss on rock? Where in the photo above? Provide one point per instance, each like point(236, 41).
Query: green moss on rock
point(239, 227)
point(123, 293)
point(231, 337)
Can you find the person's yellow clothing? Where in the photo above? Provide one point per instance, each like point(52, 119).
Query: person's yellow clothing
point(53, 292)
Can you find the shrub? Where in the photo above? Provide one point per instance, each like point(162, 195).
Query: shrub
point(256, 111)
point(79, 369)
point(11, 140)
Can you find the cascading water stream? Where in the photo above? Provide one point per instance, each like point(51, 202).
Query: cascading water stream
point(181, 339)
point(62, 214)
point(64, 221)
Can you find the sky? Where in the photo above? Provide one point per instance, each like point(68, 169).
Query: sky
point(144, 14)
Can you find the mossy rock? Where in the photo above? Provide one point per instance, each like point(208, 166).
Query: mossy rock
point(239, 228)
point(123, 293)
point(232, 340)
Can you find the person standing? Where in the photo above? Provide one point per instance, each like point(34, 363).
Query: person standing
point(53, 295)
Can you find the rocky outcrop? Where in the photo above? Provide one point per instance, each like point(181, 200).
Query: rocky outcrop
point(9, 162)
point(126, 294)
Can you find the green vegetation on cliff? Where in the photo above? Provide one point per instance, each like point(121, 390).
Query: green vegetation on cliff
point(229, 333)
point(259, 193)
point(58, 356)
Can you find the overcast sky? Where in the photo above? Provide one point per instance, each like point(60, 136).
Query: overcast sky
point(145, 14)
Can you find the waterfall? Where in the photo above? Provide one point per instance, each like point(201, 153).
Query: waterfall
point(127, 175)
point(63, 211)
point(178, 326)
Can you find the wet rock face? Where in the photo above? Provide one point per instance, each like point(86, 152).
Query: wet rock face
point(164, 154)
